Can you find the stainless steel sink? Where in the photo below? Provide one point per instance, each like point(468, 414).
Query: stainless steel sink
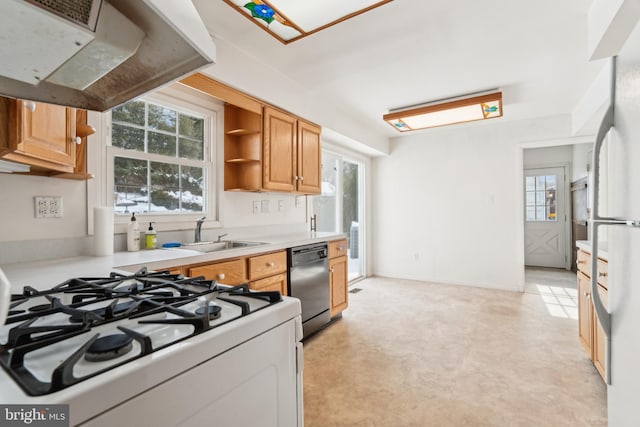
point(219, 246)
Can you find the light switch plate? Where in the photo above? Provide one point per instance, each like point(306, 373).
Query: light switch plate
point(256, 207)
point(48, 206)
point(265, 206)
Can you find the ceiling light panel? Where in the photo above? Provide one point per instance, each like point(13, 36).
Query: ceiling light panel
point(447, 112)
point(291, 20)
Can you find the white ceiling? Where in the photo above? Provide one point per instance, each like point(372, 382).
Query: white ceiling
point(414, 51)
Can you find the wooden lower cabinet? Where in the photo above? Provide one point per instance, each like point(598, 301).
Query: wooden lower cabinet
point(273, 283)
point(227, 273)
point(338, 277)
point(599, 338)
point(590, 332)
point(585, 312)
point(268, 272)
point(339, 283)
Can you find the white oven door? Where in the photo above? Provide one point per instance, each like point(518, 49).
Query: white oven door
point(254, 384)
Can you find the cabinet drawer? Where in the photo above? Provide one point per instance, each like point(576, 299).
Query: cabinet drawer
point(603, 273)
point(228, 273)
point(273, 283)
point(267, 265)
point(337, 248)
point(583, 262)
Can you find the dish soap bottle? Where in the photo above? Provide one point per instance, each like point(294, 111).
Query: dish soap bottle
point(133, 234)
point(150, 238)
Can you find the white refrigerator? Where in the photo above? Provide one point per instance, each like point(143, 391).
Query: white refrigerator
point(623, 201)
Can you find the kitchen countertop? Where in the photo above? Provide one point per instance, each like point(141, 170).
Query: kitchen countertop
point(48, 273)
point(585, 245)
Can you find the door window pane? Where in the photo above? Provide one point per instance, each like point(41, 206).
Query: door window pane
point(540, 198)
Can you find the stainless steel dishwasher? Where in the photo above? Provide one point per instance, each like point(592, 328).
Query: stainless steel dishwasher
point(309, 282)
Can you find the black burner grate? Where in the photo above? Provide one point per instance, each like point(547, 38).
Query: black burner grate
point(145, 293)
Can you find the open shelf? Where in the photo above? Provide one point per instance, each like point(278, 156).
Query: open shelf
point(242, 149)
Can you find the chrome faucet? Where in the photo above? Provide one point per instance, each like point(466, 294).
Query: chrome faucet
point(220, 236)
point(197, 238)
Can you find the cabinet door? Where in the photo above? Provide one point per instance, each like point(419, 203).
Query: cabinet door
point(338, 285)
point(599, 338)
point(279, 151)
point(44, 138)
point(309, 154)
point(585, 313)
point(227, 273)
point(273, 283)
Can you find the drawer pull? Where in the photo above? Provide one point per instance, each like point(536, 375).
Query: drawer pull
point(587, 294)
point(602, 274)
point(220, 276)
point(581, 261)
point(341, 248)
point(271, 264)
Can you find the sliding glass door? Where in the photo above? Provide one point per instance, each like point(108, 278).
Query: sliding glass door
point(339, 208)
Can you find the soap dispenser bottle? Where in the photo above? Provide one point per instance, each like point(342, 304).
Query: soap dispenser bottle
point(133, 234)
point(150, 237)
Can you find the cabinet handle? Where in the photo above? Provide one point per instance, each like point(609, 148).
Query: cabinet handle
point(221, 276)
point(77, 140)
point(331, 269)
point(581, 261)
point(341, 248)
point(302, 178)
point(29, 105)
point(602, 274)
point(271, 264)
point(587, 294)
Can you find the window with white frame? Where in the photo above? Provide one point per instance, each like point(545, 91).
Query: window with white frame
point(161, 158)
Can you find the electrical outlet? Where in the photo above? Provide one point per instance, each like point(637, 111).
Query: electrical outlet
point(265, 206)
point(48, 206)
point(299, 201)
point(280, 205)
point(256, 206)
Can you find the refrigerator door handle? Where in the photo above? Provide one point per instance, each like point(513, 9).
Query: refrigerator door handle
point(601, 312)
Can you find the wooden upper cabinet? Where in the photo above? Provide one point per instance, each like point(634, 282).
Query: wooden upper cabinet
point(43, 138)
point(292, 152)
point(309, 155)
point(279, 151)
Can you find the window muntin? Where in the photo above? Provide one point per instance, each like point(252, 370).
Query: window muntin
point(540, 198)
point(160, 159)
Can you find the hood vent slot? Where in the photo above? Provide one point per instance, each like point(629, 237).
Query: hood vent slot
point(80, 12)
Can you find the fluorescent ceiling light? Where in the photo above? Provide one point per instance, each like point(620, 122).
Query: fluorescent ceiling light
point(447, 112)
point(291, 20)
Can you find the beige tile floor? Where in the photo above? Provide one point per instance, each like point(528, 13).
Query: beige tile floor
point(409, 353)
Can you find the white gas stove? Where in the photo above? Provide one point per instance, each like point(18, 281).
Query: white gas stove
point(154, 349)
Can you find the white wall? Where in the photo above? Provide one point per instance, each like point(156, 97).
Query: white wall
point(534, 157)
point(581, 159)
point(17, 215)
point(447, 203)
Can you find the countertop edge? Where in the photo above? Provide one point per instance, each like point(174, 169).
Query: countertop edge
point(585, 245)
point(44, 274)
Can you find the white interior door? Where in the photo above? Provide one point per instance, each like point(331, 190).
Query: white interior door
point(544, 228)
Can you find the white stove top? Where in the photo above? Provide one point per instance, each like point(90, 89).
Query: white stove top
point(177, 347)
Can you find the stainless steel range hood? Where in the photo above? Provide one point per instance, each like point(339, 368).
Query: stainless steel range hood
point(97, 54)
